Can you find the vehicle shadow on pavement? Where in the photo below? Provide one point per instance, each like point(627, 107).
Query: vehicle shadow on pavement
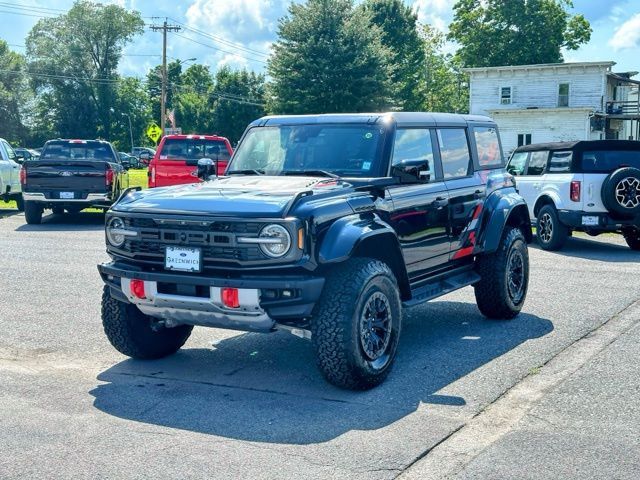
point(266, 388)
point(592, 249)
point(8, 212)
point(82, 221)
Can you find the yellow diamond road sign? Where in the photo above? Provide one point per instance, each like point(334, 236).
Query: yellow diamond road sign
point(154, 132)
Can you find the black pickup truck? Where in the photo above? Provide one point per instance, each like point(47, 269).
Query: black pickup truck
point(72, 175)
point(327, 226)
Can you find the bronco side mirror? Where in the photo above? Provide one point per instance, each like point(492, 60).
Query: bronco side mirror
point(206, 168)
point(412, 171)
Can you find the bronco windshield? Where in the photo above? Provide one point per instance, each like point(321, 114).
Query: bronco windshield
point(343, 150)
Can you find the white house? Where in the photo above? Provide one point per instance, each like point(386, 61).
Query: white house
point(557, 102)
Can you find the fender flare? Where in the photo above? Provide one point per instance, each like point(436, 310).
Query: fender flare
point(503, 207)
point(548, 196)
point(346, 233)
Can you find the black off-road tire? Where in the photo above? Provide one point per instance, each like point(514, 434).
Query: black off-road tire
point(632, 238)
point(131, 333)
point(552, 234)
point(494, 296)
point(337, 320)
point(58, 210)
point(20, 203)
point(33, 213)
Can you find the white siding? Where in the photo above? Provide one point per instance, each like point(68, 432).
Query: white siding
point(537, 87)
point(542, 125)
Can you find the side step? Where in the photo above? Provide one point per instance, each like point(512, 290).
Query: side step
point(440, 287)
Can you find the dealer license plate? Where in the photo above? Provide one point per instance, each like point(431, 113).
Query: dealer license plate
point(67, 195)
point(590, 220)
point(183, 259)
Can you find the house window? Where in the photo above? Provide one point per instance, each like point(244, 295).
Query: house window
point(505, 95)
point(563, 95)
point(524, 139)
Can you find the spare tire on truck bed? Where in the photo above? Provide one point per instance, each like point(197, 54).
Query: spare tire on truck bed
point(621, 192)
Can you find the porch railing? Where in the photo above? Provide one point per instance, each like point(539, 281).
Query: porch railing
point(623, 108)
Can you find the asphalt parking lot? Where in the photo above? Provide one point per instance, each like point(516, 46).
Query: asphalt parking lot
point(238, 405)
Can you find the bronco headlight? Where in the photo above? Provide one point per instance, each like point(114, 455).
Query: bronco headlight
point(274, 240)
point(116, 232)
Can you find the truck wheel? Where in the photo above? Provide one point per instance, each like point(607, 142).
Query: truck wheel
point(551, 233)
point(356, 324)
point(135, 334)
point(633, 239)
point(32, 213)
point(504, 274)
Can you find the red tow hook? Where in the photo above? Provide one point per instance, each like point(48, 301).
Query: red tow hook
point(137, 288)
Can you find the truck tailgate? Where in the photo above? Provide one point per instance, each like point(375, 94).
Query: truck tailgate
point(66, 175)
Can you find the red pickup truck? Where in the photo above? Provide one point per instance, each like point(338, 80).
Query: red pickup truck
point(176, 159)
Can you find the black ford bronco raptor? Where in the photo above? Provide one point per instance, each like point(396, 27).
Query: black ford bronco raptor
point(325, 225)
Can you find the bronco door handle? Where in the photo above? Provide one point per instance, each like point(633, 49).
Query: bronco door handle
point(441, 202)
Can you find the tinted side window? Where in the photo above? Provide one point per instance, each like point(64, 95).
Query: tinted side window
point(489, 154)
point(517, 163)
point(413, 146)
point(560, 162)
point(537, 163)
point(454, 151)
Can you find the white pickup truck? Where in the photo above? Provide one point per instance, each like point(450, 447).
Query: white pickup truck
point(10, 187)
point(589, 186)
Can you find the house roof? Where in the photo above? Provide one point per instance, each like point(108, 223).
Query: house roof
point(540, 66)
point(624, 77)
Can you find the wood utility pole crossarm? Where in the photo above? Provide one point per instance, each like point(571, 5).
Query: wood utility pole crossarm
point(164, 28)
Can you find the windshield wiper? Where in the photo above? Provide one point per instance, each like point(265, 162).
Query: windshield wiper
point(246, 171)
point(312, 173)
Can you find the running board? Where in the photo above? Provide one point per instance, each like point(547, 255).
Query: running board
point(441, 287)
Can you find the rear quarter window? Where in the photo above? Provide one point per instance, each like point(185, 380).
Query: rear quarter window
point(606, 161)
point(488, 145)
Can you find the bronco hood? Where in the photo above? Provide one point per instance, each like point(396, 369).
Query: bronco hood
point(239, 196)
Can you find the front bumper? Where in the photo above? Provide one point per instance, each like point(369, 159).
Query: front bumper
point(90, 198)
point(605, 223)
point(259, 309)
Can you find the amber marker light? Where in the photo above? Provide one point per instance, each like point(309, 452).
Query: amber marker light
point(301, 238)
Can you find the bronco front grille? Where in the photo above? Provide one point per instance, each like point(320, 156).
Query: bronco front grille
point(218, 241)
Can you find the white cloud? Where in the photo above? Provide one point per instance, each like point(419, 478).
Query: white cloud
point(437, 13)
point(627, 35)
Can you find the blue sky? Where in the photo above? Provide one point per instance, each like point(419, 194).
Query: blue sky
point(239, 32)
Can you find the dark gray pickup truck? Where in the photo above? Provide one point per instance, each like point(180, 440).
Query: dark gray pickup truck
point(72, 175)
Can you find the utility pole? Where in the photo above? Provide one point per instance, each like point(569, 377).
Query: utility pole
point(165, 27)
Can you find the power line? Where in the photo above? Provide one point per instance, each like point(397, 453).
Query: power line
point(223, 40)
point(164, 28)
point(220, 50)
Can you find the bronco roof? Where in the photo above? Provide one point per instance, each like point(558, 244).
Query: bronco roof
point(400, 118)
point(582, 145)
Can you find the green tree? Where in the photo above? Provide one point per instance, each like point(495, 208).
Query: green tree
point(328, 58)
point(515, 32)
point(238, 99)
point(400, 33)
point(75, 59)
point(446, 86)
point(193, 108)
point(13, 95)
point(132, 100)
point(154, 86)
